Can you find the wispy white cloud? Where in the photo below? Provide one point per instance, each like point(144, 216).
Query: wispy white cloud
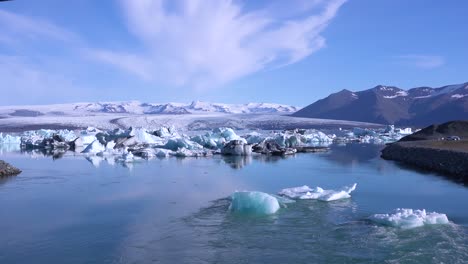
point(192, 43)
point(422, 61)
point(209, 43)
point(16, 28)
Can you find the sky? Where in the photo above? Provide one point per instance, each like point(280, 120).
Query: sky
point(231, 51)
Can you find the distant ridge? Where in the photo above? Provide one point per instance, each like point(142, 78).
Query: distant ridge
point(419, 106)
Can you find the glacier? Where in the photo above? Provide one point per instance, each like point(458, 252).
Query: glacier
point(317, 193)
point(409, 218)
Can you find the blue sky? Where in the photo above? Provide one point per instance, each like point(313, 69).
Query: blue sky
point(291, 52)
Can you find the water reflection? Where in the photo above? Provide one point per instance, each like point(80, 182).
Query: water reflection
point(353, 153)
point(235, 162)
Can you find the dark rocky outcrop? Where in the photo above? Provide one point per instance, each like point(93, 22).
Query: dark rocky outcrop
point(270, 147)
point(453, 163)
point(426, 150)
point(8, 170)
point(436, 132)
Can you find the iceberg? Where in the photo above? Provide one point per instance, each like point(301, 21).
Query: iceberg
point(142, 136)
point(237, 148)
point(94, 147)
point(254, 138)
point(217, 138)
point(253, 203)
point(409, 218)
point(175, 144)
point(317, 193)
point(9, 139)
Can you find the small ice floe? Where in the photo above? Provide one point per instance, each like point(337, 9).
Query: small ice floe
point(409, 218)
point(317, 193)
point(253, 203)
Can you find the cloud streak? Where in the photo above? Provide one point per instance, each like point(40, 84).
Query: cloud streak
point(204, 44)
point(17, 28)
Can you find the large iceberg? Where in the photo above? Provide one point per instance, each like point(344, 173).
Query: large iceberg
point(409, 218)
point(254, 203)
point(317, 193)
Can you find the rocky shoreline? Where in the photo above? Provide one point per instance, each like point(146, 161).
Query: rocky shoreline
point(8, 170)
point(449, 160)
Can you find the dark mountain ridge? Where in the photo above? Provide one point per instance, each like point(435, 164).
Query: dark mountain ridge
point(419, 106)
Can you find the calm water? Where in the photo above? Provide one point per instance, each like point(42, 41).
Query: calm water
point(175, 211)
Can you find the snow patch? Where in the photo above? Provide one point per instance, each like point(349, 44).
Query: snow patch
point(458, 96)
point(397, 94)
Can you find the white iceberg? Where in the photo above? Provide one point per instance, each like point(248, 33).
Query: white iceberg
point(317, 193)
point(142, 136)
point(253, 203)
point(94, 147)
point(409, 218)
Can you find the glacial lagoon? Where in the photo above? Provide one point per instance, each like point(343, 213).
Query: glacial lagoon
point(176, 210)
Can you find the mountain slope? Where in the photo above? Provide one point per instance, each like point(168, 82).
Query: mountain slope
point(391, 105)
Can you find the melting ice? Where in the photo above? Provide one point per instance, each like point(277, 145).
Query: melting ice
point(409, 218)
point(317, 193)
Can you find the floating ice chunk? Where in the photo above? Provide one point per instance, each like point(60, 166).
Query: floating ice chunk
point(254, 138)
point(228, 134)
point(162, 153)
point(67, 135)
point(110, 146)
point(94, 147)
point(237, 148)
point(142, 136)
point(182, 143)
point(217, 138)
point(87, 139)
point(315, 136)
point(409, 218)
point(253, 203)
point(317, 193)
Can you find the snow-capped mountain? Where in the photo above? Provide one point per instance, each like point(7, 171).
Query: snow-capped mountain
point(392, 105)
point(135, 107)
